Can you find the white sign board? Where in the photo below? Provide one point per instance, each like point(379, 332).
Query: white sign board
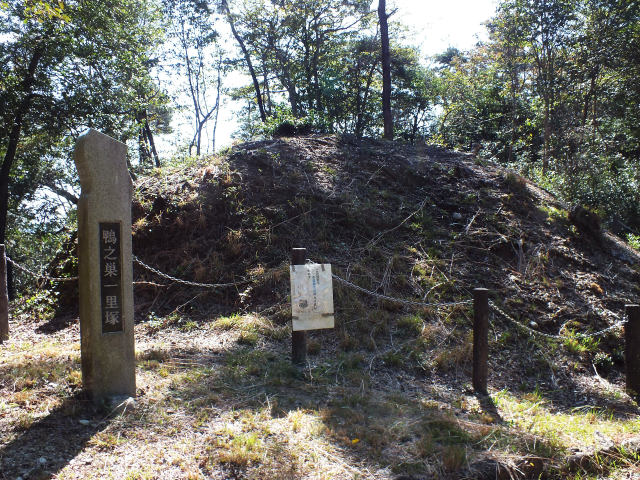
point(311, 296)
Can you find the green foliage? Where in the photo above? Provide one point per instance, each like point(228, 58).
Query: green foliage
point(612, 192)
point(411, 324)
point(198, 62)
point(603, 363)
point(579, 344)
point(415, 91)
point(41, 306)
point(550, 95)
point(298, 49)
point(321, 58)
point(66, 66)
point(634, 240)
point(282, 115)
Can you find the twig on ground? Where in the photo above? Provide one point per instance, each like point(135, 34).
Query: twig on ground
point(466, 230)
point(377, 238)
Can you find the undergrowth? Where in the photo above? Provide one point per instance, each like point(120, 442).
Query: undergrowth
point(388, 391)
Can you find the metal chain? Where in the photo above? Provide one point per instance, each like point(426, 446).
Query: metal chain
point(139, 262)
point(344, 282)
point(522, 326)
point(397, 300)
point(603, 331)
point(555, 337)
point(186, 282)
point(40, 275)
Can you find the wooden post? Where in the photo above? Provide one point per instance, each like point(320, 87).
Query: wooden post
point(11, 289)
point(4, 297)
point(632, 351)
point(299, 338)
point(480, 339)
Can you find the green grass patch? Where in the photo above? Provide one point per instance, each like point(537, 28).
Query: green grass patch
point(250, 326)
point(562, 430)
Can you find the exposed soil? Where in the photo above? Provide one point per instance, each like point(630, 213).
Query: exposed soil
point(389, 387)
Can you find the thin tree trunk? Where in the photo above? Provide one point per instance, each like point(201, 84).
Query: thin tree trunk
point(308, 68)
point(194, 90)
point(513, 121)
point(546, 136)
point(414, 129)
point(247, 58)
point(199, 141)
point(14, 138)
point(365, 99)
point(152, 143)
point(386, 70)
point(293, 100)
point(143, 152)
point(359, 113)
point(267, 92)
point(219, 88)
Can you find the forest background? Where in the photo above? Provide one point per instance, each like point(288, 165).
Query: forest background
point(552, 91)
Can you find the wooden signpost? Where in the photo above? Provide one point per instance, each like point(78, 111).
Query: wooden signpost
point(311, 301)
point(480, 339)
point(632, 351)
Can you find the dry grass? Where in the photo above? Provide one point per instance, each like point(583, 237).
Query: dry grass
point(386, 393)
point(211, 406)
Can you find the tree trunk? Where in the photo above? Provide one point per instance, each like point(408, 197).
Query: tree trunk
point(386, 70)
point(365, 99)
point(293, 100)
point(414, 128)
point(546, 135)
point(247, 58)
point(14, 138)
point(143, 151)
point(218, 89)
point(513, 121)
point(359, 113)
point(267, 92)
point(152, 143)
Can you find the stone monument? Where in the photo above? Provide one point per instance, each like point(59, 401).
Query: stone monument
point(105, 268)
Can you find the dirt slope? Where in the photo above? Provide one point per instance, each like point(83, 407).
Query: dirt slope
point(386, 394)
point(426, 224)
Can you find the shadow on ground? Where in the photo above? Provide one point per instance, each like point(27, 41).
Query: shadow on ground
point(45, 447)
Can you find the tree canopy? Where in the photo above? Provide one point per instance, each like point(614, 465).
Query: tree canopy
point(67, 66)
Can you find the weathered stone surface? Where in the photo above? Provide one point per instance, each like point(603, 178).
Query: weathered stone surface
point(105, 267)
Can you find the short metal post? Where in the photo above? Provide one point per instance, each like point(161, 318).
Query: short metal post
point(480, 339)
point(632, 351)
point(298, 338)
point(4, 297)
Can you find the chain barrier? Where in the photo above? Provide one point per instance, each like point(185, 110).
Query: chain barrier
point(347, 283)
point(397, 300)
point(139, 262)
point(40, 275)
point(531, 331)
point(186, 282)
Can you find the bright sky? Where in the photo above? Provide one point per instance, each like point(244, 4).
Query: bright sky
point(434, 25)
point(438, 24)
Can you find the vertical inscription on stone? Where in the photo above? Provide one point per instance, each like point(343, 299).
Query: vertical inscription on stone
point(105, 268)
point(111, 277)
